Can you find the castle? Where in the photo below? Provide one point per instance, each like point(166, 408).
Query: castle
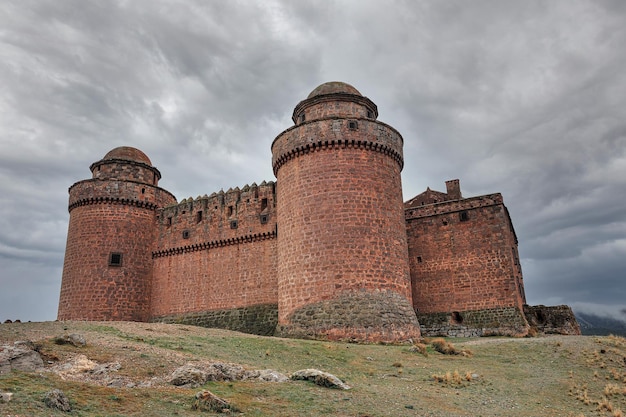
point(329, 250)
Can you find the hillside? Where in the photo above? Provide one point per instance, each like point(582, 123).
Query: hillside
point(591, 324)
point(544, 376)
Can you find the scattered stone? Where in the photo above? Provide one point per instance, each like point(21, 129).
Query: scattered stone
point(220, 371)
point(5, 397)
point(19, 358)
point(189, 376)
point(270, 375)
point(57, 399)
point(321, 378)
point(73, 339)
point(207, 401)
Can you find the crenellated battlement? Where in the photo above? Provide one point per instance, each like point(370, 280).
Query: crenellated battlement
point(222, 216)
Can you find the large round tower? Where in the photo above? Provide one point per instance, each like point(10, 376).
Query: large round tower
point(343, 270)
point(108, 260)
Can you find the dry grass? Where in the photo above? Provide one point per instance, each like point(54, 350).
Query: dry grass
point(515, 374)
point(447, 348)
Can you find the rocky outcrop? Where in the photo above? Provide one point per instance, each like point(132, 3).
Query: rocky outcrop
point(321, 378)
point(19, 357)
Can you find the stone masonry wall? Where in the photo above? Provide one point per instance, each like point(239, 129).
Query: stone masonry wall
point(508, 321)
point(463, 256)
point(552, 320)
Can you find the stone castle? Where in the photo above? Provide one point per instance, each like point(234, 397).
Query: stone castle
point(328, 251)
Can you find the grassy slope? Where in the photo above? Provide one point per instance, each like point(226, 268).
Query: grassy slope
point(551, 376)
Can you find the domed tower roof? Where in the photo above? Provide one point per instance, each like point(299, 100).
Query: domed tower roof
point(334, 99)
point(334, 87)
point(128, 153)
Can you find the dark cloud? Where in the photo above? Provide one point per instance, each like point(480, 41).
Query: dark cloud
point(522, 98)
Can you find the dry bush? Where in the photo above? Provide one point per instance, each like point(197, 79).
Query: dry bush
point(447, 348)
point(419, 348)
point(456, 377)
point(612, 389)
point(605, 404)
point(616, 340)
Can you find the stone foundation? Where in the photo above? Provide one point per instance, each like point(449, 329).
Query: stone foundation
point(355, 316)
point(508, 321)
point(257, 319)
point(552, 320)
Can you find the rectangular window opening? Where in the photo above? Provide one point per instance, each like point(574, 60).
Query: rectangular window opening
point(230, 211)
point(264, 218)
point(115, 259)
point(199, 216)
point(464, 216)
point(263, 204)
point(233, 224)
point(169, 221)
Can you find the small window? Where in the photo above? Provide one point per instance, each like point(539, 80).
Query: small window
point(169, 221)
point(143, 191)
point(185, 234)
point(115, 259)
point(199, 216)
point(419, 259)
point(370, 115)
point(445, 222)
point(230, 211)
point(233, 224)
point(302, 118)
point(263, 218)
point(464, 216)
point(263, 204)
point(352, 125)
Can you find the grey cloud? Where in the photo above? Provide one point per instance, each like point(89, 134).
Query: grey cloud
point(523, 98)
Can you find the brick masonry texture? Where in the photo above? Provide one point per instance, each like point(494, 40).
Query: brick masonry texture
point(328, 251)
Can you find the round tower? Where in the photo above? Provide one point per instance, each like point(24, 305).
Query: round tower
point(343, 269)
point(108, 257)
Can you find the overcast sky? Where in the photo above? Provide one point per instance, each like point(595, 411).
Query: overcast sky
point(525, 98)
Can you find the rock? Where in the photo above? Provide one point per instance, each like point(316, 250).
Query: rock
point(57, 399)
point(19, 358)
point(270, 375)
point(74, 339)
point(188, 375)
point(207, 401)
point(77, 340)
point(5, 397)
point(321, 378)
point(220, 371)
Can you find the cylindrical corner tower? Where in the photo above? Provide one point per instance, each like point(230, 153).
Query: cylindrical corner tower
point(108, 260)
point(343, 269)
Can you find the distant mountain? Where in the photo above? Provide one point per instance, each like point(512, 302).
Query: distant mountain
point(591, 324)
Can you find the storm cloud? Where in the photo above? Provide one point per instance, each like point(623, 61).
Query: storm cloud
point(523, 98)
